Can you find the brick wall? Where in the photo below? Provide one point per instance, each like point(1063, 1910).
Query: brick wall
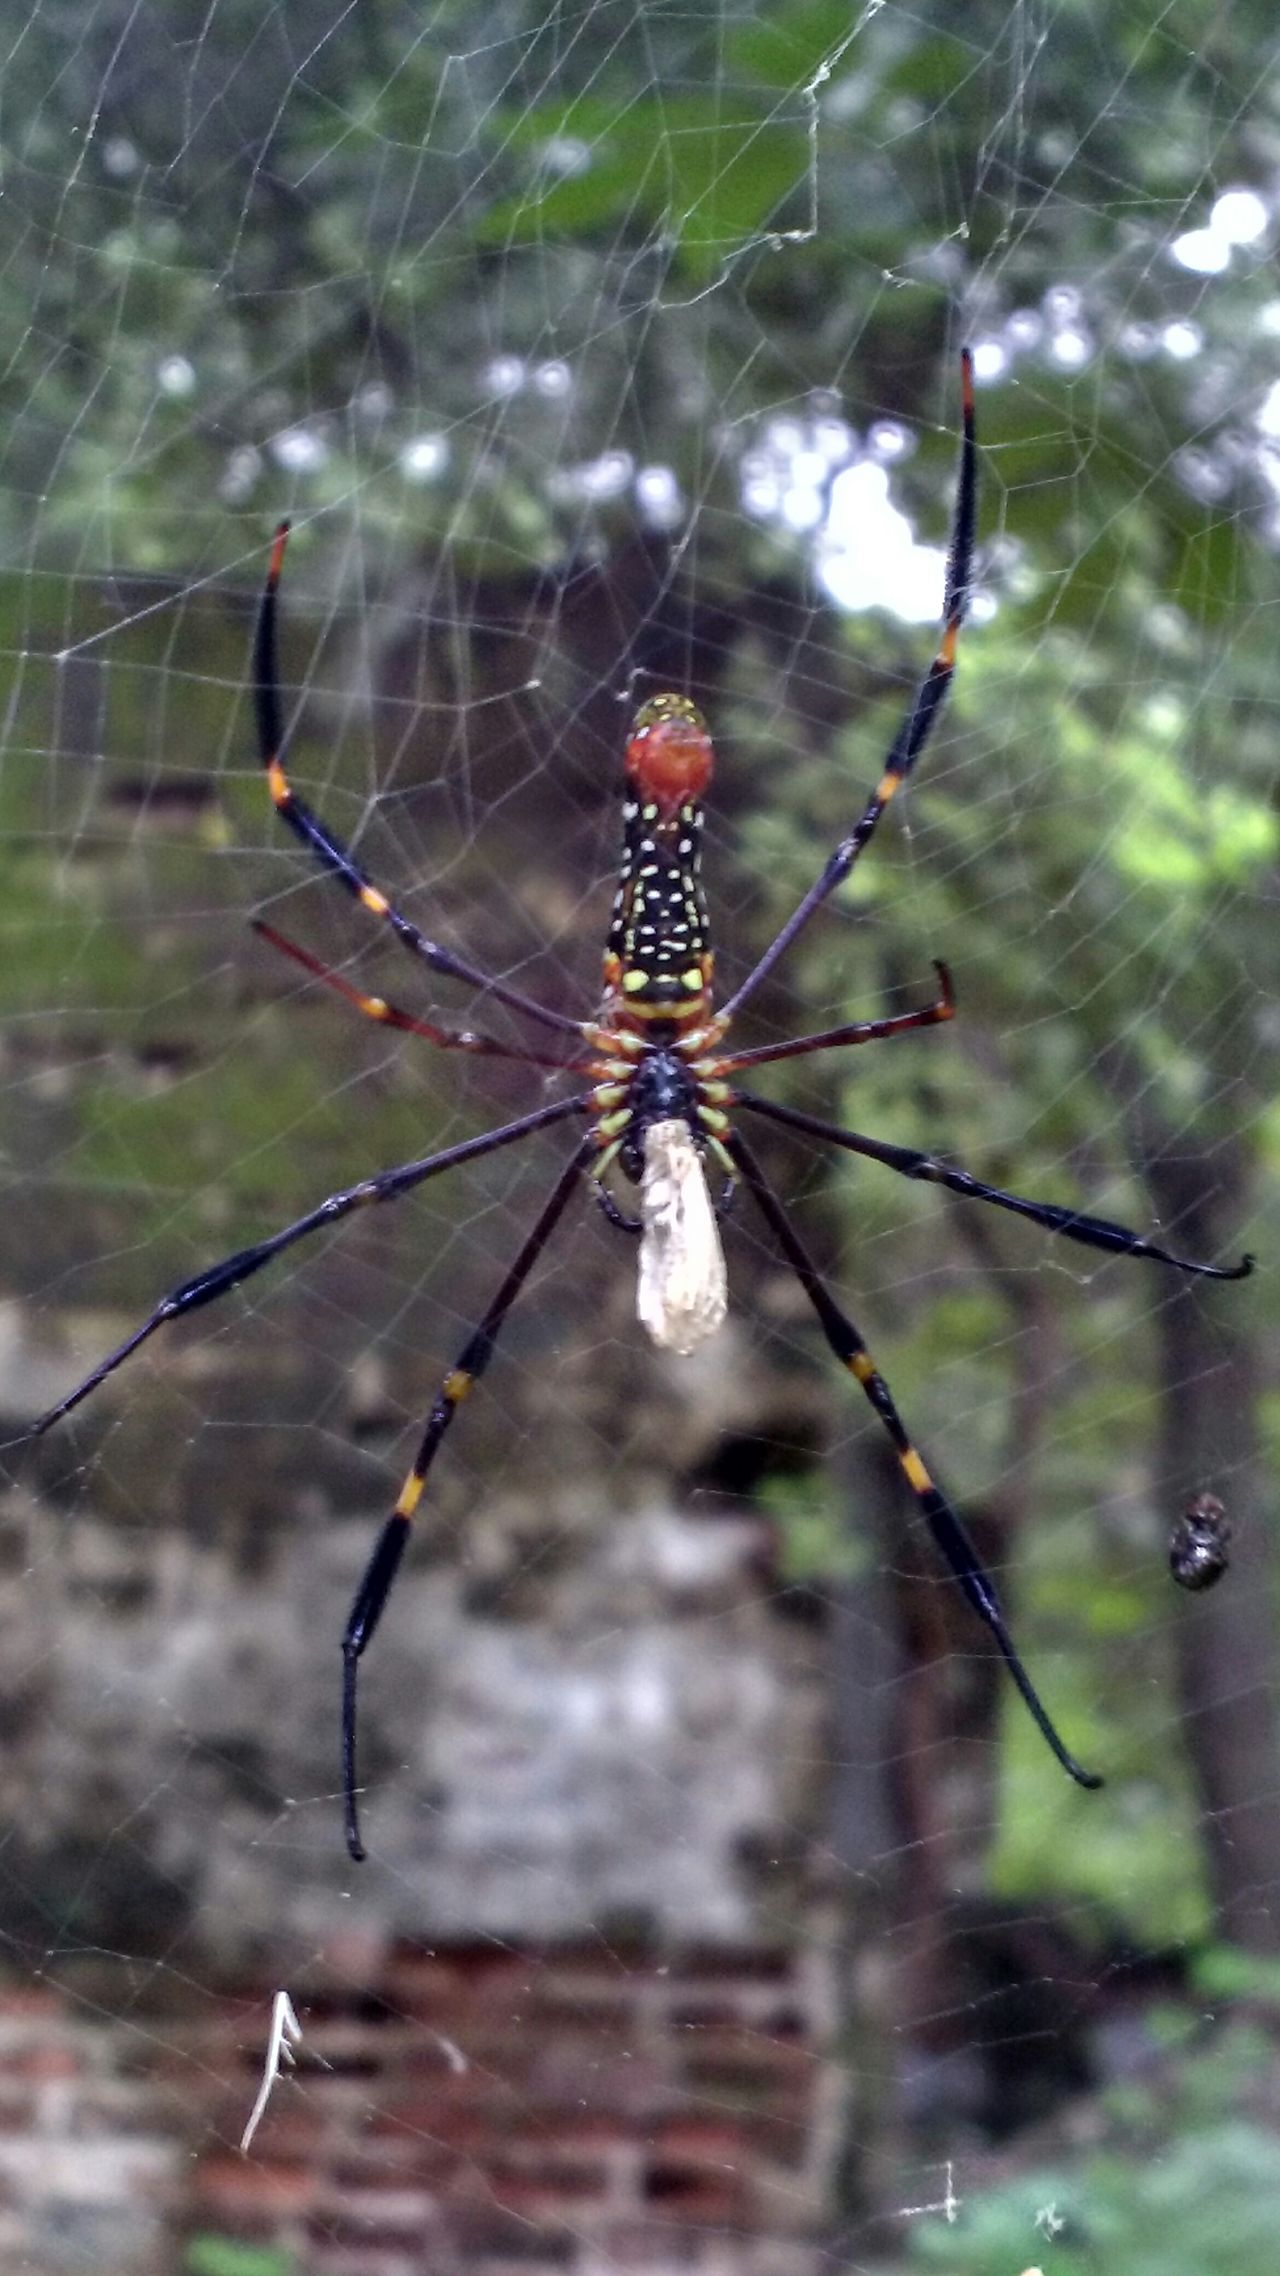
point(90, 2162)
point(468, 2109)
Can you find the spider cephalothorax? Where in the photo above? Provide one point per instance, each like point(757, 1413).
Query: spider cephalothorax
point(660, 1103)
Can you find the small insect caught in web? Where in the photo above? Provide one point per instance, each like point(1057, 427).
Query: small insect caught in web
point(682, 1290)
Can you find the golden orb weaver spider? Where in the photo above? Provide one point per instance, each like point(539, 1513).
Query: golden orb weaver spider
point(657, 1104)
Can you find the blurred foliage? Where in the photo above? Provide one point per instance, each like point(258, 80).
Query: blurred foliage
point(1189, 2184)
point(210, 2255)
point(236, 257)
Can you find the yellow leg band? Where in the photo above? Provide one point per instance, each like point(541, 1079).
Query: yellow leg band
point(410, 1495)
point(915, 1470)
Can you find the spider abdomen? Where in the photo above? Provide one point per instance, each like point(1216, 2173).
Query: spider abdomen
point(658, 958)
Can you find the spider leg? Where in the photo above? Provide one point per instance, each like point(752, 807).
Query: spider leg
point(950, 1537)
point(389, 1015)
point(383, 1565)
point(860, 1031)
point(722, 1203)
point(208, 1285)
point(1091, 1232)
point(329, 850)
point(615, 1215)
point(922, 716)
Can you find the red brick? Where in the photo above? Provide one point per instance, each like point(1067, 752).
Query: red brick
point(352, 1955)
point(290, 2132)
point(487, 2231)
point(416, 2116)
point(748, 2066)
point(434, 1967)
point(603, 2013)
point(468, 2133)
point(377, 2216)
point(570, 2129)
point(410, 2156)
point(693, 2139)
point(595, 1975)
point(54, 2059)
point(501, 2049)
point(328, 2257)
point(695, 2194)
point(658, 2246)
point(340, 2051)
point(427, 2070)
point(770, 1966)
point(756, 2010)
point(539, 2197)
point(634, 2088)
point(707, 2014)
point(30, 2003)
point(17, 2107)
point(569, 2176)
point(490, 1969)
point(238, 2185)
point(366, 2241)
point(373, 2161)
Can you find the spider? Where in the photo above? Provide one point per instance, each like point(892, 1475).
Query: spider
point(659, 1106)
point(1198, 1544)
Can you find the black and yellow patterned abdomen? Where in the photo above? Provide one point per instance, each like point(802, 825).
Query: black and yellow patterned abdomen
point(658, 958)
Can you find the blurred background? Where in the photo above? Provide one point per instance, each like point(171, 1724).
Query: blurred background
point(723, 1909)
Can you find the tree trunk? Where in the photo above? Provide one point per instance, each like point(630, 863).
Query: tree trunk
point(1209, 1441)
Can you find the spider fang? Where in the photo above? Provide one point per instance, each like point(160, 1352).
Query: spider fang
point(681, 1296)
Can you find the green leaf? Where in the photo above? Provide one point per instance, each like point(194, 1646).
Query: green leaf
point(709, 182)
point(208, 2255)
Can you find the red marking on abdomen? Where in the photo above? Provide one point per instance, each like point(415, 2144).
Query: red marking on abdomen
point(670, 763)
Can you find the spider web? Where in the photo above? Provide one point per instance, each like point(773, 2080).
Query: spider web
point(593, 352)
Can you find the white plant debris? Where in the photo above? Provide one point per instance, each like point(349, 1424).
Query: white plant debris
point(682, 1295)
point(286, 2033)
